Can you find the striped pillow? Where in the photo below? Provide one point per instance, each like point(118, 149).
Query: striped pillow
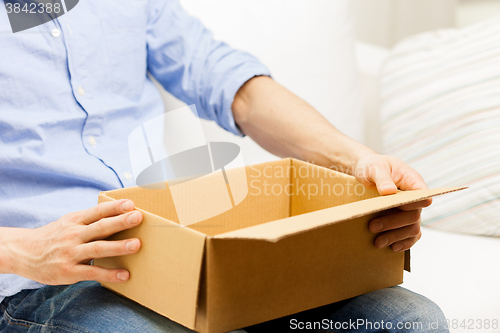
point(441, 114)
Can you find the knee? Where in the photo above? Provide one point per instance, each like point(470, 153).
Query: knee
point(426, 316)
point(411, 312)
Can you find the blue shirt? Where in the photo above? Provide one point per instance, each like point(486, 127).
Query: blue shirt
point(72, 90)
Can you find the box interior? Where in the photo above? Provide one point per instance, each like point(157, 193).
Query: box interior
point(276, 190)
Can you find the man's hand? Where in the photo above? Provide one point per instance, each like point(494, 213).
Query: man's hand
point(400, 230)
point(59, 253)
point(287, 126)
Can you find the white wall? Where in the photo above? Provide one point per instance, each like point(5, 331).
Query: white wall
point(385, 22)
point(308, 46)
point(473, 11)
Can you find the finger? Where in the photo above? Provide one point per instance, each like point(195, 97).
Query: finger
point(405, 244)
point(416, 205)
point(107, 209)
point(97, 273)
point(104, 249)
point(394, 221)
point(111, 225)
point(390, 237)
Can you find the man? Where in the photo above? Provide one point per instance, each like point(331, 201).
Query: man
point(72, 89)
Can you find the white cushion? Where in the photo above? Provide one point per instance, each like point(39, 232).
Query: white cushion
point(460, 273)
point(441, 114)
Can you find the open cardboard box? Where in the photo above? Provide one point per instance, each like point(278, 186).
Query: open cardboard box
point(299, 240)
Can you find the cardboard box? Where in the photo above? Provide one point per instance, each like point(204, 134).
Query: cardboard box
point(298, 240)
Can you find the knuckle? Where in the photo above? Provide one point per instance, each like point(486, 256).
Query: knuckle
point(415, 215)
point(123, 221)
point(74, 217)
point(67, 270)
point(91, 274)
point(95, 249)
point(67, 252)
point(117, 207)
point(98, 210)
point(65, 275)
point(82, 217)
point(72, 235)
point(408, 244)
point(396, 174)
point(121, 247)
point(415, 229)
point(99, 228)
point(396, 236)
point(393, 237)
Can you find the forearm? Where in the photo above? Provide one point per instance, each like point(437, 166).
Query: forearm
point(287, 126)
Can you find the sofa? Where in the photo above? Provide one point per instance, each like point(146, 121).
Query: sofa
point(457, 271)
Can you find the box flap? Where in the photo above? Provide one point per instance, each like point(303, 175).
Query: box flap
point(257, 207)
point(276, 230)
point(170, 259)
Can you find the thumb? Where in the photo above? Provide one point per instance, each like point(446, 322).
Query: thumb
point(385, 185)
point(381, 176)
point(375, 169)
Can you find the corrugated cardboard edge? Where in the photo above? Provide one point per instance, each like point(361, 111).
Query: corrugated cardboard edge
point(280, 229)
point(407, 265)
point(190, 323)
point(290, 160)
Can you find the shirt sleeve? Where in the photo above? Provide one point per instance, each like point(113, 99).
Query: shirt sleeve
point(195, 68)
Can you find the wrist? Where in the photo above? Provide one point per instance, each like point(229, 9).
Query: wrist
point(11, 243)
point(347, 154)
point(360, 153)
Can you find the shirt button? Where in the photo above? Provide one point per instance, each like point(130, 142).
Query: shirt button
point(127, 175)
point(92, 141)
point(81, 91)
point(56, 33)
